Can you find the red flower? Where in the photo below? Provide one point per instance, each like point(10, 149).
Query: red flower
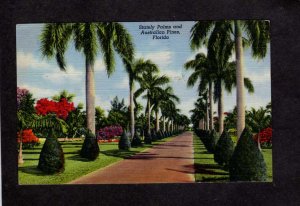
point(61, 108)
point(27, 136)
point(265, 135)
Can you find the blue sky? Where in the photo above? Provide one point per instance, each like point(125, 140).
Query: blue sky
point(44, 79)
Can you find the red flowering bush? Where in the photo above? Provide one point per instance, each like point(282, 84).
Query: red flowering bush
point(109, 132)
point(265, 135)
point(28, 138)
point(61, 108)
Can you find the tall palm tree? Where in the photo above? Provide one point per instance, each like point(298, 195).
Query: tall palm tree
point(134, 70)
point(219, 51)
point(159, 98)
point(198, 113)
point(253, 32)
point(151, 83)
point(89, 38)
point(202, 72)
point(165, 111)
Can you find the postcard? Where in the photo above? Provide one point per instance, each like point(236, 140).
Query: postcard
point(144, 102)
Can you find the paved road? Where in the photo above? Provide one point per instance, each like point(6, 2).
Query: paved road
point(170, 162)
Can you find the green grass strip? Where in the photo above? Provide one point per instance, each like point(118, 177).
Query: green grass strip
point(207, 170)
point(75, 166)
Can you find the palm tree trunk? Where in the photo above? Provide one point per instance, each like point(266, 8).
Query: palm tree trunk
point(90, 96)
point(149, 116)
point(20, 157)
point(200, 124)
point(211, 126)
point(164, 124)
point(258, 142)
point(240, 96)
point(207, 116)
point(157, 121)
point(221, 111)
point(131, 85)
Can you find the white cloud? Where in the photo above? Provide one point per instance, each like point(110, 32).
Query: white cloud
point(259, 75)
point(102, 103)
point(28, 60)
point(161, 58)
point(186, 106)
point(200, 50)
point(99, 65)
point(172, 74)
point(60, 77)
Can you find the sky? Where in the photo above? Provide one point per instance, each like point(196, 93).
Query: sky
point(42, 77)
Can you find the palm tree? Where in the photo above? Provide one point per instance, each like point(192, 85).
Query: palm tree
point(151, 83)
point(257, 33)
point(219, 51)
point(198, 113)
point(88, 39)
point(134, 70)
point(165, 111)
point(258, 120)
point(64, 94)
point(159, 98)
point(202, 72)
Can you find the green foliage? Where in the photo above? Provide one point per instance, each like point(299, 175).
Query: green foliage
point(136, 141)
point(124, 143)
point(51, 157)
point(76, 121)
point(27, 104)
point(90, 148)
point(209, 139)
point(247, 162)
point(100, 118)
point(224, 149)
point(118, 114)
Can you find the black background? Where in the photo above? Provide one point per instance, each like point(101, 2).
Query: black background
point(285, 72)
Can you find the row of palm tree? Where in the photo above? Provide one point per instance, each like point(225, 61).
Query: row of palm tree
point(92, 38)
point(222, 38)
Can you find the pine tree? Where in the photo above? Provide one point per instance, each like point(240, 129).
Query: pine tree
point(52, 158)
point(124, 143)
point(247, 162)
point(90, 148)
point(224, 149)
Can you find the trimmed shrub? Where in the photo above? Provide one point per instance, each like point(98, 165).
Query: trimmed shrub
point(148, 139)
point(124, 143)
point(159, 136)
point(52, 158)
point(154, 135)
point(90, 148)
point(224, 149)
point(247, 162)
point(211, 141)
point(136, 141)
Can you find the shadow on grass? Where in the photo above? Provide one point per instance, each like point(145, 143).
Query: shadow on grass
point(31, 152)
point(77, 157)
point(71, 143)
point(31, 159)
point(32, 170)
point(215, 179)
point(209, 169)
point(118, 153)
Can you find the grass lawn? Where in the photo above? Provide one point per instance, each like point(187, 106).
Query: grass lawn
point(207, 170)
point(75, 166)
